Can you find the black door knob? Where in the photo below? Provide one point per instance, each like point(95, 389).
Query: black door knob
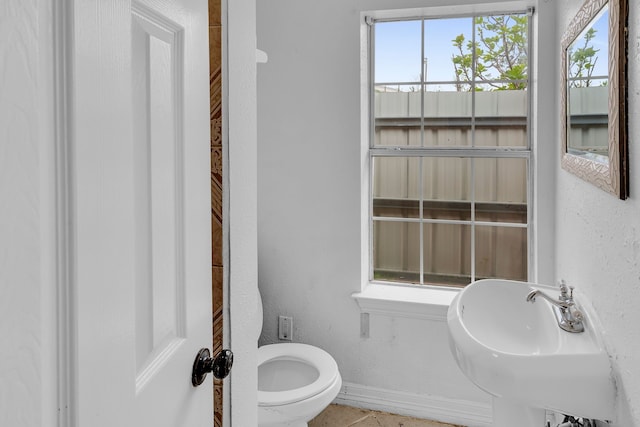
point(204, 363)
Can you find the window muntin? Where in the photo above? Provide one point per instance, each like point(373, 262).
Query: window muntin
point(450, 153)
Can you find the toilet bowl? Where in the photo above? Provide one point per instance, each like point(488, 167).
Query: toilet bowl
point(295, 383)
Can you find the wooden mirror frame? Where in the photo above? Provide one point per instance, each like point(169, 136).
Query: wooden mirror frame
point(612, 177)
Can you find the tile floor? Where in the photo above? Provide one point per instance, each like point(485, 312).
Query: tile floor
point(345, 416)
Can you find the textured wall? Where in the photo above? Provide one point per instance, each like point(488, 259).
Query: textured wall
point(598, 241)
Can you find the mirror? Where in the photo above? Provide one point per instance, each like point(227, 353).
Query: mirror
point(594, 129)
point(588, 90)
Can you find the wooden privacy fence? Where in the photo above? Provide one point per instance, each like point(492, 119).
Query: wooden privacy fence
point(449, 188)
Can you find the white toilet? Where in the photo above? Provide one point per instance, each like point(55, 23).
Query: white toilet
point(295, 382)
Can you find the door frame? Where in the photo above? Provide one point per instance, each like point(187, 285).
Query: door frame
point(240, 213)
point(239, 100)
point(62, 29)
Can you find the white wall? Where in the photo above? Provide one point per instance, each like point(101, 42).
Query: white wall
point(598, 241)
point(240, 186)
point(309, 197)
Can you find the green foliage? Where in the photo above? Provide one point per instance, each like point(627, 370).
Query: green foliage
point(500, 52)
point(582, 61)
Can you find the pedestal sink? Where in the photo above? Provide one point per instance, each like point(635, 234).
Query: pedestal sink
point(515, 351)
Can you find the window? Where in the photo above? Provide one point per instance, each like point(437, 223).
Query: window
point(450, 149)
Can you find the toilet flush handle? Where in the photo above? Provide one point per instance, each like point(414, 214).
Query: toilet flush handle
point(204, 363)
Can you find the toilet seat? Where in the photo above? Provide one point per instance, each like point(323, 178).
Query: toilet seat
point(310, 355)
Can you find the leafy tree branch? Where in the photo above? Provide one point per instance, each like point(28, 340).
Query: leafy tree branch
point(499, 53)
point(582, 61)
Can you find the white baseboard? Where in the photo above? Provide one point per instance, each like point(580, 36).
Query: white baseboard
point(461, 412)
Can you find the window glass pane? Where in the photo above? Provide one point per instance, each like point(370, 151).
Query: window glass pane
point(501, 252)
point(397, 115)
point(395, 187)
point(507, 102)
point(474, 98)
point(499, 135)
point(447, 115)
point(447, 254)
point(501, 190)
point(396, 251)
point(446, 188)
point(501, 43)
point(397, 51)
point(500, 117)
point(446, 52)
point(393, 136)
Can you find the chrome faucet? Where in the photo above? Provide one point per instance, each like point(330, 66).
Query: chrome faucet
point(568, 316)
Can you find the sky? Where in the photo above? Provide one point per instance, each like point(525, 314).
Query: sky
point(600, 42)
point(397, 48)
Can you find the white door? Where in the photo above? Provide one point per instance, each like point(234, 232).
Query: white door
point(141, 212)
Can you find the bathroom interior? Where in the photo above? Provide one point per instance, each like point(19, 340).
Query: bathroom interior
point(301, 150)
point(394, 355)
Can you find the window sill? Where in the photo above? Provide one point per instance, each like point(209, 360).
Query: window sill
point(406, 301)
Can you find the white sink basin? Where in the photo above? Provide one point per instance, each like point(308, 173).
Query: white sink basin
point(515, 350)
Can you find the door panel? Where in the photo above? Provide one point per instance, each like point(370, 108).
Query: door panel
point(141, 212)
point(159, 190)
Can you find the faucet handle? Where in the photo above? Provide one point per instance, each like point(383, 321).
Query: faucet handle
point(566, 292)
point(564, 289)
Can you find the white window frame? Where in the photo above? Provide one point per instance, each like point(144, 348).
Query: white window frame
point(371, 151)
